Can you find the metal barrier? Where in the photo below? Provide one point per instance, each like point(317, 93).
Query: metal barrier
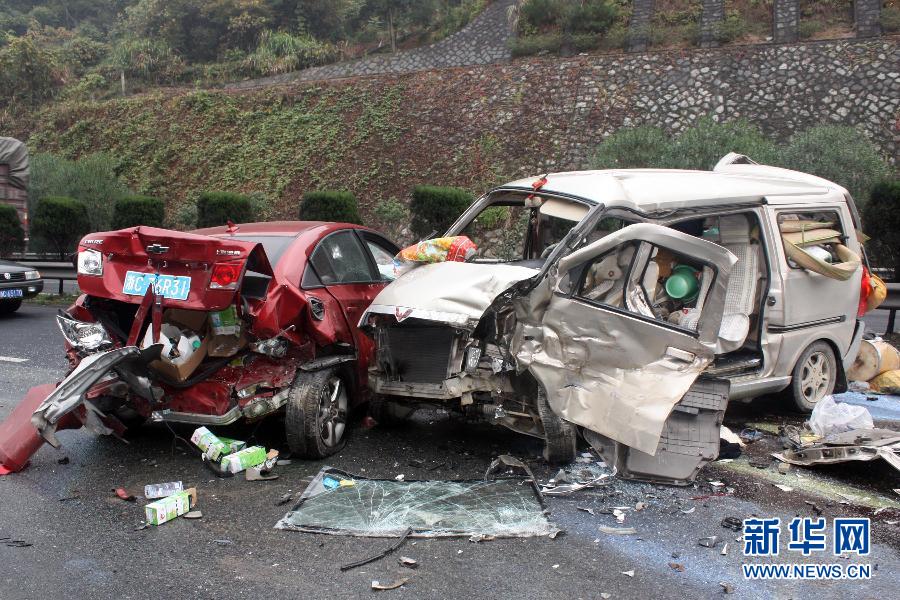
point(60, 271)
point(891, 303)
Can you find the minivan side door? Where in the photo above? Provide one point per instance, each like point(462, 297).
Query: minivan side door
point(606, 360)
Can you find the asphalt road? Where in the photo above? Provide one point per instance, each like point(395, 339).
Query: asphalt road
point(86, 541)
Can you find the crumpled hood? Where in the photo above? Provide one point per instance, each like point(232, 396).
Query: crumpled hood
point(449, 292)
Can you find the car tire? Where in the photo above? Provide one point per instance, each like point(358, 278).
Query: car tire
point(560, 436)
point(315, 420)
point(814, 376)
point(387, 412)
point(9, 306)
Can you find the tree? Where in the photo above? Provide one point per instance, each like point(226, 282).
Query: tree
point(701, 146)
point(881, 220)
point(61, 222)
point(645, 146)
point(434, 209)
point(29, 73)
point(839, 153)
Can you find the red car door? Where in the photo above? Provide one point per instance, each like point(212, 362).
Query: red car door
point(346, 264)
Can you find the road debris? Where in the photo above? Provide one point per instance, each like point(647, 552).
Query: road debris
point(193, 514)
point(63, 461)
point(619, 515)
point(830, 417)
point(165, 509)
point(724, 551)
point(783, 488)
point(153, 491)
point(726, 587)
point(400, 477)
point(688, 511)
point(676, 567)
point(408, 562)
point(284, 499)
point(380, 555)
point(617, 530)
point(586, 509)
point(475, 539)
point(751, 435)
point(732, 523)
point(854, 445)
point(258, 474)
point(628, 573)
point(393, 585)
point(124, 494)
point(709, 542)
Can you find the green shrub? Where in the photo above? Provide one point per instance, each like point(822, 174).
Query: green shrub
point(435, 208)
point(12, 236)
point(589, 16)
point(890, 19)
point(330, 205)
point(881, 220)
point(132, 211)
point(633, 148)
point(283, 52)
point(217, 208)
point(60, 222)
point(701, 146)
point(392, 212)
point(92, 179)
point(839, 153)
point(808, 28)
point(536, 44)
point(732, 28)
point(539, 14)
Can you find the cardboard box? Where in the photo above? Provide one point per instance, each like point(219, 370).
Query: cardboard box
point(165, 509)
point(212, 446)
point(232, 445)
point(195, 320)
point(246, 458)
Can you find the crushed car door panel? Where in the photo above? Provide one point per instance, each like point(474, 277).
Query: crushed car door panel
point(607, 361)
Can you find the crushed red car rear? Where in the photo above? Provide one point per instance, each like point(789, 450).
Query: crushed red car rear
point(204, 328)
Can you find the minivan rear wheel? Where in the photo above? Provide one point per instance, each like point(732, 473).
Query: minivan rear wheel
point(814, 376)
point(315, 419)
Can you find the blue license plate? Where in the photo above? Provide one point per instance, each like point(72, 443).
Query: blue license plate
point(167, 286)
point(10, 293)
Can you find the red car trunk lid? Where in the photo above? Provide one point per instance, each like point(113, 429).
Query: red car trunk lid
point(207, 270)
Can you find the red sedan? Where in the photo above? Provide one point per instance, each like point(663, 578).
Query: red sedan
point(221, 324)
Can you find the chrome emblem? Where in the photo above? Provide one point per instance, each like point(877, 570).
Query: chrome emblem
point(7, 275)
point(402, 315)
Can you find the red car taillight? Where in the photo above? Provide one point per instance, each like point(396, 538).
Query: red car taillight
point(225, 276)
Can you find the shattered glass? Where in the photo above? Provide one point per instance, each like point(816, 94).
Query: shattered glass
point(338, 503)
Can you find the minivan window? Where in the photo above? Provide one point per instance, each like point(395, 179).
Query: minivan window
point(822, 224)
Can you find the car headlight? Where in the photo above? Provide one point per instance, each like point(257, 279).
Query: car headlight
point(30, 275)
point(87, 336)
point(90, 262)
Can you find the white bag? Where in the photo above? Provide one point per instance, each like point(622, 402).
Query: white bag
point(830, 417)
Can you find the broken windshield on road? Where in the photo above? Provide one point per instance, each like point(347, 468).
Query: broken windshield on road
point(342, 504)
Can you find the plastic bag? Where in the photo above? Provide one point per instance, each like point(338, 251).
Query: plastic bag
point(457, 249)
point(830, 417)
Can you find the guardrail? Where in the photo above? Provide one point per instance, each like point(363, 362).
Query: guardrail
point(59, 271)
point(891, 303)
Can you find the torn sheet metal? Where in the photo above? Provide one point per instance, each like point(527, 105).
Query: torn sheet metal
point(856, 445)
point(387, 508)
point(606, 370)
point(70, 393)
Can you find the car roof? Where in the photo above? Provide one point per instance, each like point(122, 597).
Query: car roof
point(276, 228)
point(651, 190)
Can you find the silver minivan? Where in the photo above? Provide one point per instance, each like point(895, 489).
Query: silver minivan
point(630, 305)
